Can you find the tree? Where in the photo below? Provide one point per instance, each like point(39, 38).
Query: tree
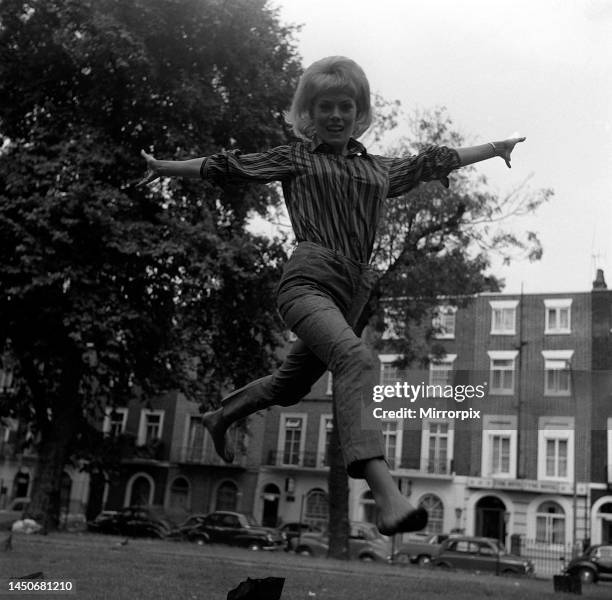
point(432, 242)
point(110, 291)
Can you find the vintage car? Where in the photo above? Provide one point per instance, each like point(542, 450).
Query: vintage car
point(480, 554)
point(594, 565)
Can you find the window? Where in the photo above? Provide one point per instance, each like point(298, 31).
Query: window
point(325, 430)
point(436, 446)
point(499, 446)
point(389, 373)
point(115, 421)
point(550, 524)
point(557, 316)
point(292, 438)
point(556, 449)
point(435, 509)
point(151, 423)
point(557, 372)
point(443, 322)
point(503, 317)
point(330, 384)
point(502, 371)
point(392, 436)
point(441, 370)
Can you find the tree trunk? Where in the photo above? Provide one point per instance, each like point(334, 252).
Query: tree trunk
point(338, 499)
point(52, 457)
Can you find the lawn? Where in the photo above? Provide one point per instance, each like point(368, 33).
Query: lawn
point(102, 568)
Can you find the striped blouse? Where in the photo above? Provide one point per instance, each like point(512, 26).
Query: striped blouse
point(333, 200)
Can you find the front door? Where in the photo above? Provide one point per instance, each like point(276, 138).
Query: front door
point(490, 518)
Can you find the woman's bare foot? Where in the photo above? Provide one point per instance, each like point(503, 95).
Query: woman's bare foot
point(215, 423)
point(396, 513)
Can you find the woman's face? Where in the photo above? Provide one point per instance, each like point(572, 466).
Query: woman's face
point(333, 116)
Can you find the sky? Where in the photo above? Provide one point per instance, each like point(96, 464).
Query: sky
point(540, 68)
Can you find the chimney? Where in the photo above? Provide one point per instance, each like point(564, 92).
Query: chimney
point(600, 282)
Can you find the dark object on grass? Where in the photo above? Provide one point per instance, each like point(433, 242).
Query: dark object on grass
point(269, 588)
point(36, 575)
point(567, 583)
point(8, 542)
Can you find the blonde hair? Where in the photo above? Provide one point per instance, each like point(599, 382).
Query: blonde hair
point(334, 73)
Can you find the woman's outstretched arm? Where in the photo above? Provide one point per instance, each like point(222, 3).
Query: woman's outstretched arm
point(170, 168)
point(475, 154)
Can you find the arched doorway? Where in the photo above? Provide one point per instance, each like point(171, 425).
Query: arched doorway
point(227, 496)
point(316, 511)
point(490, 522)
point(605, 514)
point(271, 497)
point(21, 484)
point(179, 495)
point(141, 492)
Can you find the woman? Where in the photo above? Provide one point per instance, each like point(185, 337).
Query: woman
point(334, 190)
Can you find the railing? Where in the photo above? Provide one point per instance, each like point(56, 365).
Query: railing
point(308, 460)
point(437, 466)
point(548, 559)
point(207, 456)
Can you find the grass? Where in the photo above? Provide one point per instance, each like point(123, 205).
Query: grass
point(102, 568)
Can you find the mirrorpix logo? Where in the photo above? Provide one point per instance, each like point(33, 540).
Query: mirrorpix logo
point(413, 393)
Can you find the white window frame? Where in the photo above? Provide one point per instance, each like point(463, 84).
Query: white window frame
point(609, 449)
point(282, 437)
point(502, 355)
point(441, 364)
point(142, 427)
point(438, 322)
point(557, 305)
point(503, 305)
point(387, 359)
point(397, 457)
point(557, 360)
point(450, 435)
point(498, 426)
point(324, 420)
point(556, 428)
point(106, 424)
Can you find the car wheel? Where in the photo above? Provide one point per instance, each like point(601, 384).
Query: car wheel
point(424, 561)
point(303, 551)
point(586, 575)
point(255, 546)
point(402, 559)
point(366, 558)
point(443, 565)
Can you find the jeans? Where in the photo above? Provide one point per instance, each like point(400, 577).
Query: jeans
point(320, 297)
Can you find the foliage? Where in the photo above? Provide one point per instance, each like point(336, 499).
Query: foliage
point(439, 242)
point(111, 291)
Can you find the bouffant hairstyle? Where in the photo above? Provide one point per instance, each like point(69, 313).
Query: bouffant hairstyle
point(331, 74)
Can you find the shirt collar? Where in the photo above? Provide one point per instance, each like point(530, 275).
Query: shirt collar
point(354, 148)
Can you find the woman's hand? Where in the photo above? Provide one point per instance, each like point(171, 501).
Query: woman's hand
point(152, 173)
point(505, 148)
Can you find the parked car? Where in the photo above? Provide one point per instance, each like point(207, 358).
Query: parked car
point(295, 529)
point(236, 529)
point(13, 512)
point(135, 521)
point(365, 543)
point(419, 548)
point(182, 530)
point(594, 565)
point(480, 554)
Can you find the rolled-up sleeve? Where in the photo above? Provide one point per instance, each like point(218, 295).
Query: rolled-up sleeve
point(262, 167)
point(433, 163)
